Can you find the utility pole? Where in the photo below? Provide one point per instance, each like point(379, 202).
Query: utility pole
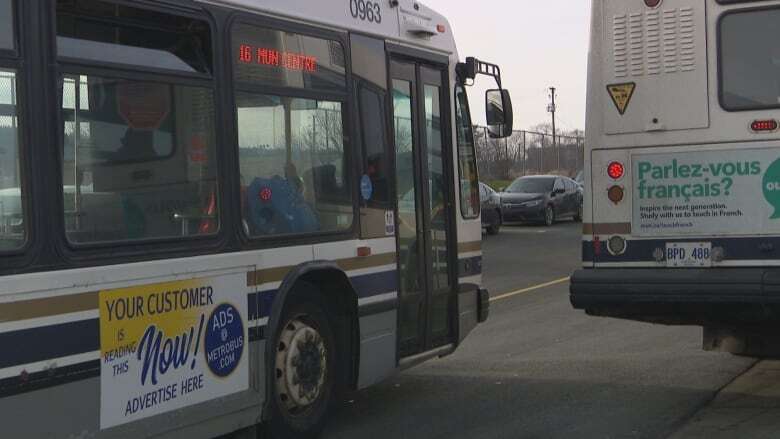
point(551, 108)
point(525, 157)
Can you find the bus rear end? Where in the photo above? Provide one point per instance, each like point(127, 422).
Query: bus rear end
point(682, 221)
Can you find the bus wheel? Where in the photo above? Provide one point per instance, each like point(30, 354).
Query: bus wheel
point(305, 372)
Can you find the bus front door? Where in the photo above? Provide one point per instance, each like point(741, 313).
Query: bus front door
point(423, 183)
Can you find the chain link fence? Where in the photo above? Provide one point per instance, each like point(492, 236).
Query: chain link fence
point(527, 153)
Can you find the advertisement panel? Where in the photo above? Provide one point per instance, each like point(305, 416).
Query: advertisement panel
point(703, 193)
point(171, 345)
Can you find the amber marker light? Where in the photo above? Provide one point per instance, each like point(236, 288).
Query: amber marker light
point(616, 194)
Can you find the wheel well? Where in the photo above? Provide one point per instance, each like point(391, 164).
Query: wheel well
point(341, 299)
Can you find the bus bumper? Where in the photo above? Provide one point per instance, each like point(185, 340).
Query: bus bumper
point(680, 296)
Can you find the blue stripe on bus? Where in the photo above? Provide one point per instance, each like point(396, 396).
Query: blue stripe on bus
point(42, 343)
point(368, 285)
point(736, 249)
point(468, 267)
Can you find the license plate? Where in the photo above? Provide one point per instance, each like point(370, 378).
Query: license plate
point(688, 254)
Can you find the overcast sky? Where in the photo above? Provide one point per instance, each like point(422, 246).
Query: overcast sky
point(537, 43)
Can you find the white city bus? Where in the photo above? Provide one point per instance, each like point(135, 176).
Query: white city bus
point(223, 213)
point(682, 220)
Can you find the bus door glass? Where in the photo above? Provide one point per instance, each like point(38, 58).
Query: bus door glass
point(424, 208)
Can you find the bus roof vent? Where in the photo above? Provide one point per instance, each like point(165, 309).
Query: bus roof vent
point(648, 49)
point(654, 42)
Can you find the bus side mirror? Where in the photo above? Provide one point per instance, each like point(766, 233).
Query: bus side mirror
point(498, 105)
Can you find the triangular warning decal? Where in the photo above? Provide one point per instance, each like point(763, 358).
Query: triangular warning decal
point(621, 95)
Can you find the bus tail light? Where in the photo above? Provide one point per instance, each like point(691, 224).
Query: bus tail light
point(616, 170)
point(616, 194)
point(764, 126)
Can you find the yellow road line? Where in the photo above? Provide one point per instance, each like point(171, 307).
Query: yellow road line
point(529, 289)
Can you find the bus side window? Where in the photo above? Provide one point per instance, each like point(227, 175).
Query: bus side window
point(294, 163)
point(375, 144)
point(467, 157)
point(298, 184)
point(138, 156)
point(13, 233)
point(7, 25)
point(12, 224)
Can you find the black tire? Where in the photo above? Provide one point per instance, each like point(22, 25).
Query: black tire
point(578, 215)
point(495, 228)
point(288, 418)
point(549, 216)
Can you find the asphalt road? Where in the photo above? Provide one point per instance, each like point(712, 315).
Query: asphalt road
point(539, 369)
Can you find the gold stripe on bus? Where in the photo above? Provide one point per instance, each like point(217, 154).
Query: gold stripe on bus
point(267, 275)
point(367, 262)
point(470, 247)
point(606, 229)
point(270, 275)
point(47, 307)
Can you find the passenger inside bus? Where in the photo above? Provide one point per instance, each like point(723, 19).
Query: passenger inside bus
point(293, 166)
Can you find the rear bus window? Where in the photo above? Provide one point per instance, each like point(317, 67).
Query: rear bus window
point(139, 156)
point(750, 60)
point(294, 167)
point(12, 227)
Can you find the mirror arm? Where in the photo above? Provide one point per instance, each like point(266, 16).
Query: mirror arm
point(473, 67)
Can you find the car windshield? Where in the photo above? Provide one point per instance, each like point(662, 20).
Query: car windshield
point(531, 185)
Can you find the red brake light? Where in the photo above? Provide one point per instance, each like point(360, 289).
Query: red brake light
point(616, 170)
point(764, 125)
point(441, 28)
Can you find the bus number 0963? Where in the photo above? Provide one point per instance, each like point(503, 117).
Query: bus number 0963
point(366, 10)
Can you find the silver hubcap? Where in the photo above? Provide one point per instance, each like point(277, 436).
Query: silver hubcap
point(301, 364)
